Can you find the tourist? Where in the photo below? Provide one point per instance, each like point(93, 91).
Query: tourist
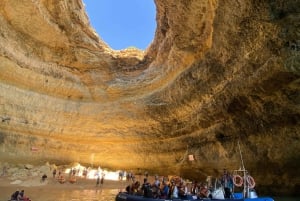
point(98, 181)
point(183, 190)
point(175, 191)
point(15, 195)
point(128, 189)
point(146, 188)
point(102, 179)
point(171, 188)
point(44, 177)
point(146, 174)
point(135, 187)
point(61, 179)
point(203, 191)
point(22, 197)
point(156, 181)
point(195, 188)
point(155, 191)
point(165, 190)
point(128, 176)
point(85, 172)
point(132, 178)
point(227, 183)
point(70, 172)
point(54, 173)
point(121, 174)
point(4, 170)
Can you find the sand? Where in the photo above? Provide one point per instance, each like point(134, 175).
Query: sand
point(33, 185)
point(34, 188)
point(28, 177)
point(53, 183)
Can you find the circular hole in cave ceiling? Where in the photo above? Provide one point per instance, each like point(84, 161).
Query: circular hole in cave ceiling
point(123, 23)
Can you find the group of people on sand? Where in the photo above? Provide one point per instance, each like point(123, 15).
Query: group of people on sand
point(61, 178)
point(19, 196)
point(99, 180)
point(128, 175)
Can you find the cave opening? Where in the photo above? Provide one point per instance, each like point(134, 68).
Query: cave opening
point(123, 24)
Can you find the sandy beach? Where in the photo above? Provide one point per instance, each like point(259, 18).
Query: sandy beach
point(52, 183)
point(35, 188)
point(28, 180)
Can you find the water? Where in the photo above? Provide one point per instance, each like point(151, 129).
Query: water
point(48, 194)
point(44, 194)
point(286, 198)
point(85, 195)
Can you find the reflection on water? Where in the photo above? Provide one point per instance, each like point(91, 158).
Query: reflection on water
point(45, 194)
point(286, 198)
point(79, 195)
point(67, 195)
point(96, 195)
point(99, 195)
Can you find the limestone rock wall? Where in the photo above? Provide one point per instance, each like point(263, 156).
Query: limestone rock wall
point(217, 73)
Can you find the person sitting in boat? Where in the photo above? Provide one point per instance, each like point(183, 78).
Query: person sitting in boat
point(128, 189)
point(227, 183)
point(156, 181)
point(165, 190)
point(133, 189)
point(14, 196)
point(22, 197)
point(182, 190)
point(146, 188)
point(136, 187)
point(175, 191)
point(155, 191)
point(204, 192)
point(195, 188)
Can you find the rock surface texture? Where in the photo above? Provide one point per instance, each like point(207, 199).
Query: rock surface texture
point(217, 73)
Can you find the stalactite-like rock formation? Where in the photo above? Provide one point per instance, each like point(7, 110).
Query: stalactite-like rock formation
point(217, 72)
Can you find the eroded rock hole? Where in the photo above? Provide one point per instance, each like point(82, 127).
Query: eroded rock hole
point(123, 24)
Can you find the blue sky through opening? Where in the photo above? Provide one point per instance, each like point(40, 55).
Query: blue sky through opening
point(123, 23)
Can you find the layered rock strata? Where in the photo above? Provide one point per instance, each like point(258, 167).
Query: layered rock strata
point(217, 73)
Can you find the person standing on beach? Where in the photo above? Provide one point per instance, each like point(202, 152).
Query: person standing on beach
point(102, 179)
point(54, 173)
point(98, 181)
point(4, 171)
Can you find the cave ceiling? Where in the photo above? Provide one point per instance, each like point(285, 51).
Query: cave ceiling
point(216, 73)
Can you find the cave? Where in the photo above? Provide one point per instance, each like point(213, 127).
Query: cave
point(217, 74)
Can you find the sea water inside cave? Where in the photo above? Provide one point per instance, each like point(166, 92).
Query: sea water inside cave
point(44, 194)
